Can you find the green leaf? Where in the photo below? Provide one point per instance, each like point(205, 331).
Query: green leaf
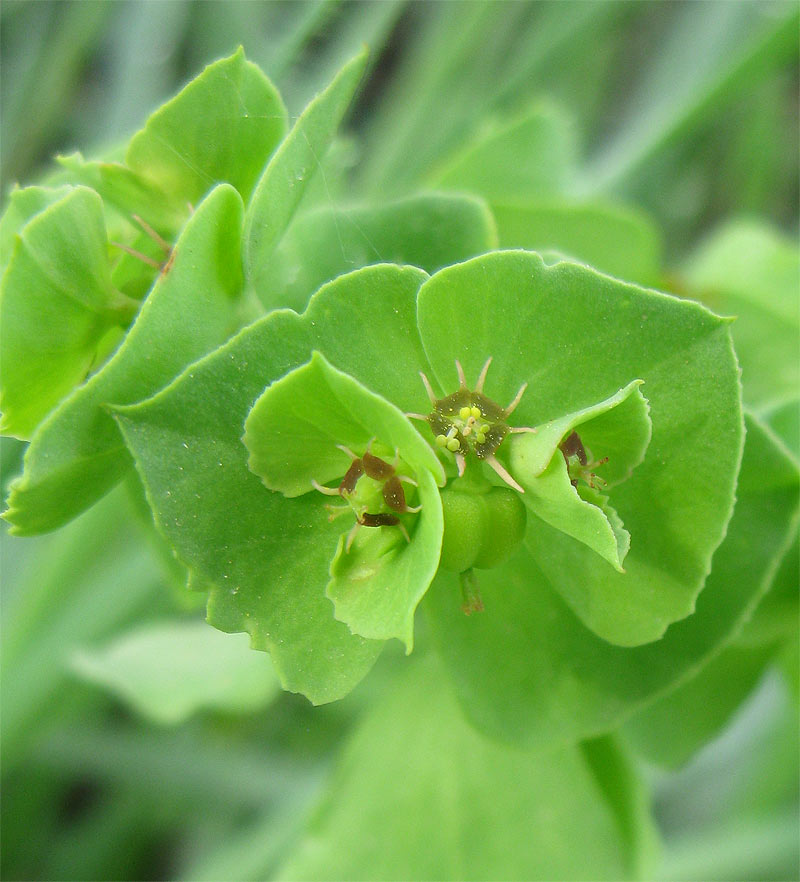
point(531, 155)
point(77, 454)
point(266, 556)
point(577, 337)
point(614, 239)
point(430, 230)
point(129, 201)
point(283, 182)
point(292, 434)
point(171, 670)
point(784, 419)
point(528, 671)
point(496, 812)
point(222, 127)
point(128, 192)
point(774, 622)
point(618, 428)
point(56, 302)
point(750, 270)
point(553, 498)
point(376, 587)
point(293, 430)
point(617, 773)
point(23, 204)
point(670, 730)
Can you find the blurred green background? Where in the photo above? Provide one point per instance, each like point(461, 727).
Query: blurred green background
point(687, 111)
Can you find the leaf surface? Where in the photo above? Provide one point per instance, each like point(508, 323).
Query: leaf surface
point(266, 556)
point(618, 429)
point(531, 155)
point(77, 454)
point(222, 127)
point(430, 230)
point(577, 337)
point(498, 812)
point(784, 419)
point(56, 301)
point(614, 239)
point(673, 728)
point(578, 513)
point(23, 203)
point(618, 774)
point(750, 270)
point(281, 186)
point(293, 433)
point(127, 191)
point(528, 671)
point(293, 430)
point(171, 670)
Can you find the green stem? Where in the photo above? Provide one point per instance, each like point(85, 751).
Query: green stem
point(470, 592)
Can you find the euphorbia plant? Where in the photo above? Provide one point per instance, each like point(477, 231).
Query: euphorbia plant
point(375, 330)
point(530, 462)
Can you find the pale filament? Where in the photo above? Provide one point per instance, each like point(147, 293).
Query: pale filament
point(517, 398)
point(428, 389)
point(501, 471)
point(328, 491)
point(160, 241)
point(482, 376)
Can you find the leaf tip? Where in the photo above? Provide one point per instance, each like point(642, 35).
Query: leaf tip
point(10, 516)
point(357, 64)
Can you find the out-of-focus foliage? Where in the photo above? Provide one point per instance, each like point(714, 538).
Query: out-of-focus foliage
point(664, 140)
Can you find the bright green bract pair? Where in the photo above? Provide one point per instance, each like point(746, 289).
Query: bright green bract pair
point(303, 431)
point(268, 553)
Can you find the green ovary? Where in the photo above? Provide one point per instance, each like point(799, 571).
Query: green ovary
point(481, 529)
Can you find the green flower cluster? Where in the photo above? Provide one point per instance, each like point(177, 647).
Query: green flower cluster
point(241, 444)
point(332, 474)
